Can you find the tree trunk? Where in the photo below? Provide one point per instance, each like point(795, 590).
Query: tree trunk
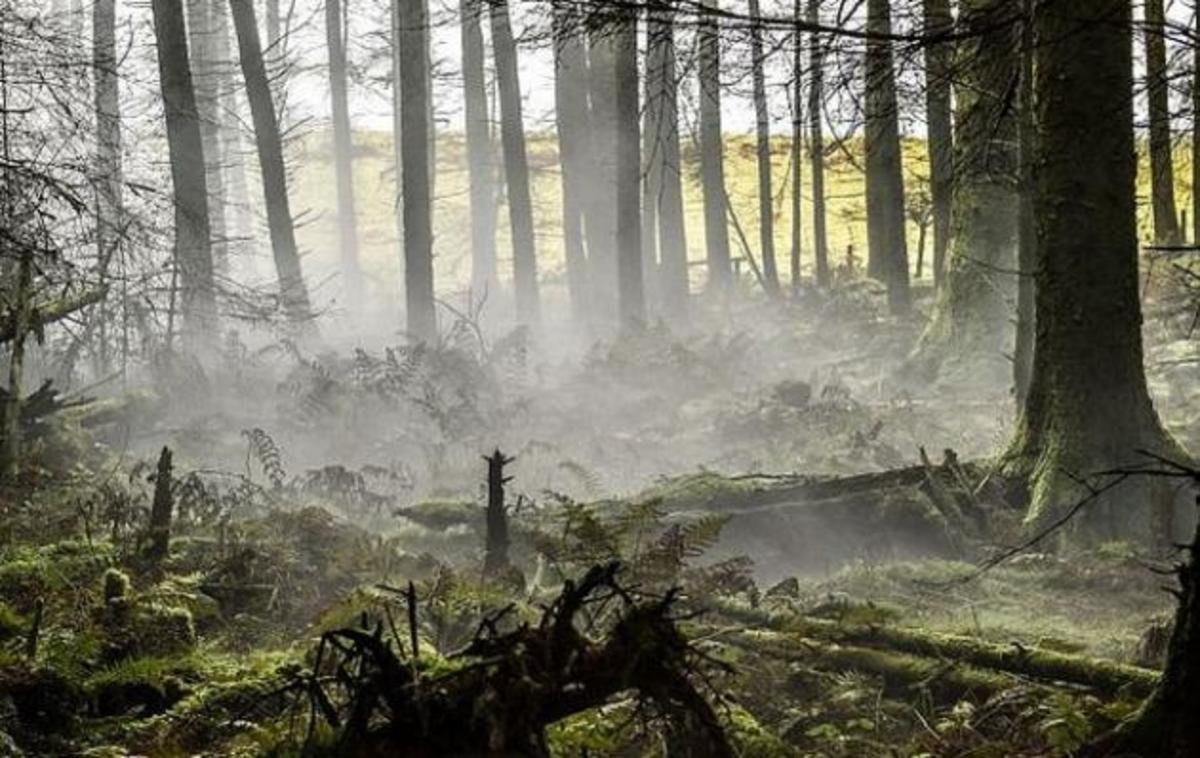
point(239, 221)
point(602, 201)
point(343, 152)
point(571, 115)
point(887, 246)
point(712, 161)
point(939, 71)
point(274, 26)
point(292, 289)
point(480, 169)
point(971, 328)
point(1026, 219)
point(495, 562)
point(662, 89)
point(516, 167)
point(631, 301)
point(762, 119)
point(797, 146)
point(1162, 172)
point(1088, 408)
point(21, 312)
point(202, 34)
point(816, 101)
point(162, 508)
point(193, 248)
point(418, 199)
point(1196, 136)
point(110, 221)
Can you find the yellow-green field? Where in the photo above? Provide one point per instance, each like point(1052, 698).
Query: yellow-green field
point(313, 191)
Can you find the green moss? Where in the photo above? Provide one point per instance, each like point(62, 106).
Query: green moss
point(116, 585)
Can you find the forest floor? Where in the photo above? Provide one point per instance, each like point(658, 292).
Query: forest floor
point(832, 528)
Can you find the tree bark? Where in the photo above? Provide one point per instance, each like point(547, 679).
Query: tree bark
point(516, 166)
point(1162, 171)
point(202, 33)
point(293, 292)
point(1196, 136)
point(797, 147)
point(110, 220)
point(816, 101)
point(971, 325)
point(602, 200)
point(239, 221)
point(571, 116)
point(887, 246)
point(631, 302)
point(1088, 408)
point(1026, 218)
point(193, 247)
point(415, 189)
point(712, 162)
point(22, 296)
point(343, 151)
point(662, 97)
point(480, 168)
point(939, 71)
point(762, 120)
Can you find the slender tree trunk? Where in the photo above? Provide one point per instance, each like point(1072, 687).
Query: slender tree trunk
point(1088, 408)
point(816, 101)
point(22, 297)
point(712, 162)
point(110, 220)
point(602, 201)
point(797, 146)
point(888, 249)
point(292, 289)
point(939, 71)
point(1196, 134)
point(1026, 220)
point(652, 168)
point(1162, 171)
point(672, 236)
point(343, 151)
point(762, 118)
point(516, 167)
point(202, 32)
point(480, 169)
point(193, 248)
point(631, 300)
point(971, 324)
point(239, 222)
point(398, 118)
point(571, 115)
point(418, 199)
point(274, 26)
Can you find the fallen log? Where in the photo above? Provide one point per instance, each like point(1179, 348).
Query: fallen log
point(46, 313)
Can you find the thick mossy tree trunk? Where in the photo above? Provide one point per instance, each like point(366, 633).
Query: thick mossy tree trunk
point(939, 71)
point(481, 172)
point(970, 334)
point(193, 240)
point(571, 121)
point(343, 151)
point(516, 165)
point(292, 289)
point(672, 235)
point(415, 189)
point(886, 242)
point(1162, 171)
point(1088, 408)
point(712, 160)
point(762, 120)
point(816, 101)
point(631, 300)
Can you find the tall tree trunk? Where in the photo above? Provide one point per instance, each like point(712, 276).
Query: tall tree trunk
point(1088, 408)
point(887, 245)
point(398, 118)
point(672, 236)
point(816, 101)
point(202, 32)
point(971, 324)
point(762, 119)
point(652, 167)
point(1162, 171)
point(1026, 219)
point(631, 302)
point(712, 161)
point(571, 117)
point(797, 146)
point(1196, 134)
point(516, 167)
point(939, 70)
point(274, 27)
point(110, 221)
point(20, 313)
point(343, 151)
point(193, 247)
point(602, 199)
point(292, 289)
point(480, 168)
point(239, 221)
point(418, 198)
